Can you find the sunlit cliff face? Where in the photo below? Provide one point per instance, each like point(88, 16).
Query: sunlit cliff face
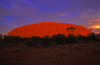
point(50, 29)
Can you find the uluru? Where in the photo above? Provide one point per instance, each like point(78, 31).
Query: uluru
point(49, 28)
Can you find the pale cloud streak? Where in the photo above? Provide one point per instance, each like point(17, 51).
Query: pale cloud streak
point(90, 10)
point(62, 14)
point(90, 23)
point(96, 20)
point(14, 6)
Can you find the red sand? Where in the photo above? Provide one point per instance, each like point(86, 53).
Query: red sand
point(51, 56)
point(48, 28)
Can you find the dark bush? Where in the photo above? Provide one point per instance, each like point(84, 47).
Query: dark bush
point(8, 39)
point(33, 41)
point(14, 42)
point(12, 39)
point(23, 39)
point(80, 37)
point(36, 38)
point(58, 39)
point(91, 36)
point(0, 36)
point(71, 39)
point(98, 37)
point(30, 43)
point(46, 41)
point(17, 38)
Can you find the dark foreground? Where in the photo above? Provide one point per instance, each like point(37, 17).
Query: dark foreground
point(81, 54)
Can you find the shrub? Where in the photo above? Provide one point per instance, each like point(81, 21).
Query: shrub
point(14, 41)
point(17, 38)
point(33, 41)
point(0, 36)
point(8, 39)
point(23, 39)
point(58, 39)
point(36, 38)
point(46, 41)
point(98, 37)
point(91, 36)
point(71, 39)
point(30, 42)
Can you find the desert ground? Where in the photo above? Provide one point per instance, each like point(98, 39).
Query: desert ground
point(81, 53)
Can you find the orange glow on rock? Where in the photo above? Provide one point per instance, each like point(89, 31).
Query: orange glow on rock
point(48, 28)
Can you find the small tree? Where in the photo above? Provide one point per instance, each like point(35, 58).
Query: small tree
point(58, 39)
point(80, 37)
point(0, 36)
point(46, 41)
point(8, 39)
point(71, 39)
point(91, 36)
point(33, 41)
point(98, 37)
point(17, 38)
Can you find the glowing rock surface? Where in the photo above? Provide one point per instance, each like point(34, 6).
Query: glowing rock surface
point(48, 28)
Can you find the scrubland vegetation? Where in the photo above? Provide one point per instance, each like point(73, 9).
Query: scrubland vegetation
point(55, 50)
point(46, 41)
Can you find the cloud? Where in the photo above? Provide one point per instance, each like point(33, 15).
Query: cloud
point(96, 20)
point(97, 26)
point(99, 11)
point(84, 16)
point(23, 12)
point(14, 6)
point(62, 14)
point(90, 10)
point(90, 23)
point(96, 31)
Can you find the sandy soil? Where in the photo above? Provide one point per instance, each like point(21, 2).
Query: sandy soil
point(84, 55)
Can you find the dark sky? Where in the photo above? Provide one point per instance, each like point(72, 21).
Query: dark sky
point(16, 13)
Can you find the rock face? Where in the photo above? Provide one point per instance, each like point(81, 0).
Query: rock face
point(49, 28)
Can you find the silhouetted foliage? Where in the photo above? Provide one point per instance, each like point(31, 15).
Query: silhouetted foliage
point(30, 42)
point(23, 39)
point(17, 38)
point(71, 39)
point(46, 41)
point(98, 37)
point(58, 39)
point(8, 39)
point(91, 36)
point(12, 39)
point(0, 36)
point(80, 37)
point(33, 41)
point(36, 38)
